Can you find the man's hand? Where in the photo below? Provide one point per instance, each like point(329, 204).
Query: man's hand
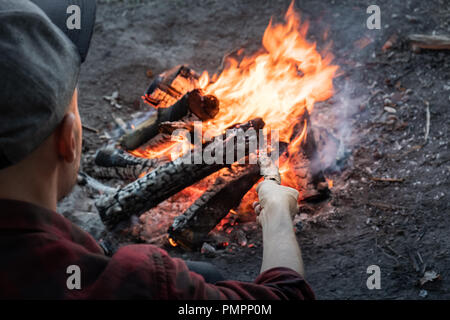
point(275, 199)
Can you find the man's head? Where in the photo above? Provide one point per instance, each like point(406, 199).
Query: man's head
point(40, 128)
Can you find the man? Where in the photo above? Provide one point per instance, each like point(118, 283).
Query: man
point(40, 150)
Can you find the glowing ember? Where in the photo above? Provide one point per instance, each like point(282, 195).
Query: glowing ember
point(172, 242)
point(165, 149)
point(330, 183)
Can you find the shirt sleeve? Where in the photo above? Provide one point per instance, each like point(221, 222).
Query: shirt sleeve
point(180, 283)
point(147, 272)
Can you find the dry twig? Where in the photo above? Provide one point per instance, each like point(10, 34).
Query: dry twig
point(90, 128)
point(387, 179)
point(427, 125)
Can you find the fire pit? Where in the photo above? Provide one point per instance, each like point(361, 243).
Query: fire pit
point(270, 93)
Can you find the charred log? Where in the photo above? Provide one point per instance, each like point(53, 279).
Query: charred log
point(192, 227)
point(168, 87)
point(116, 163)
point(169, 179)
point(307, 167)
point(205, 107)
point(169, 127)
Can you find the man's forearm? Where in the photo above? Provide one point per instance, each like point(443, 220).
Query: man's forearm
point(281, 248)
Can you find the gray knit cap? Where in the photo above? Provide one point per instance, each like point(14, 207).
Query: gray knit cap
point(39, 69)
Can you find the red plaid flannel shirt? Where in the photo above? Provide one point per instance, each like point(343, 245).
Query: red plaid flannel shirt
point(38, 245)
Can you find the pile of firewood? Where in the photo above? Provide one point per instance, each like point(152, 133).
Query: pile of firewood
point(179, 103)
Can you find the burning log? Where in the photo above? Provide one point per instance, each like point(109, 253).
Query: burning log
point(116, 163)
point(307, 167)
point(169, 127)
point(170, 86)
point(205, 107)
point(192, 227)
point(169, 179)
point(163, 92)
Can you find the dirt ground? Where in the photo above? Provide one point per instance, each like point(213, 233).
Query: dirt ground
point(403, 227)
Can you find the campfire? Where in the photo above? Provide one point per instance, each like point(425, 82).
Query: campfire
point(181, 198)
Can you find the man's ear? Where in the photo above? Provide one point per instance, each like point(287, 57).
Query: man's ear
point(66, 140)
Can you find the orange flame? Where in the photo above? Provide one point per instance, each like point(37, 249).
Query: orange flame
point(276, 84)
point(172, 242)
point(330, 183)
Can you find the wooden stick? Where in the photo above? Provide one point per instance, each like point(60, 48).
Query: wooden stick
point(85, 126)
point(433, 42)
point(384, 206)
point(387, 179)
point(122, 125)
point(427, 125)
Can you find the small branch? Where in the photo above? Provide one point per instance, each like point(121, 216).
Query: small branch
point(387, 179)
point(384, 206)
point(433, 42)
point(427, 125)
point(122, 125)
point(90, 128)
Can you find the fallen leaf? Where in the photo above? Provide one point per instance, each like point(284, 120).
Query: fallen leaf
point(429, 276)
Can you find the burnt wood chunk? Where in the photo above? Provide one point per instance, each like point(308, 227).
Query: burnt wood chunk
point(167, 88)
point(169, 127)
point(205, 107)
point(192, 227)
